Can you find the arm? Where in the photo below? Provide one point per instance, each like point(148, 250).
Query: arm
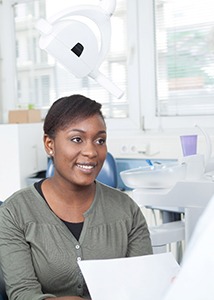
point(139, 236)
point(16, 263)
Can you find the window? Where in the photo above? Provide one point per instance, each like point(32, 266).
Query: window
point(37, 70)
point(182, 61)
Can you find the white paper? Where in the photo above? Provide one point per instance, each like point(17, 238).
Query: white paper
point(195, 279)
point(135, 278)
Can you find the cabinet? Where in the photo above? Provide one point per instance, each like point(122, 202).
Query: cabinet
point(21, 154)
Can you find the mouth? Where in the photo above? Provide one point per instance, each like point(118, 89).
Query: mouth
point(86, 166)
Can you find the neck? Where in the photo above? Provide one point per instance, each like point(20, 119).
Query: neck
point(71, 203)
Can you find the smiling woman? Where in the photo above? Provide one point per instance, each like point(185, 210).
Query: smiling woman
point(77, 141)
point(46, 228)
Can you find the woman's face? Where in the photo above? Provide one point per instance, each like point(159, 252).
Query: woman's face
point(79, 151)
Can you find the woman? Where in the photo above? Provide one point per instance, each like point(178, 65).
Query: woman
point(45, 229)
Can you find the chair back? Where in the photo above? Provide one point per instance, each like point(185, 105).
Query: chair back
point(107, 175)
point(50, 168)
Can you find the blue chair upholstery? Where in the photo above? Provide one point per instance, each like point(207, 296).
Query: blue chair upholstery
point(107, 175)
point(50, 168)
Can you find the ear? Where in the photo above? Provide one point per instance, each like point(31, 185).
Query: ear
point(49, 145)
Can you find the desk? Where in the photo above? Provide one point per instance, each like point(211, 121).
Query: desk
point(188, 196)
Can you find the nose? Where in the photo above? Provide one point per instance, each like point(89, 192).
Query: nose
point(89, 150)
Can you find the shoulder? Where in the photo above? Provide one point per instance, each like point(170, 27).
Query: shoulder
point(20, 196)
point(115, 199)
point(107, 191)
point(115, 208)
point(21, 204)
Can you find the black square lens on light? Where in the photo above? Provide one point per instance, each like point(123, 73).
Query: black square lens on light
point(78, 49)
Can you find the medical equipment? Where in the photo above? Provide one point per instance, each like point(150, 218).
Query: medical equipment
point(155, 176)
point(71, 38)
point(209, 161)
point(190, 196)
point(189, 144)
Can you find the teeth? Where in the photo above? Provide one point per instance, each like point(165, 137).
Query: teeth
point(85, 167)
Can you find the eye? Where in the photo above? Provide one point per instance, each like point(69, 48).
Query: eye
point(76, 140)
point(101, 141)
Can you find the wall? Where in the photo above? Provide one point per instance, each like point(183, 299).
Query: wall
point(21, 154)
point(152, 145)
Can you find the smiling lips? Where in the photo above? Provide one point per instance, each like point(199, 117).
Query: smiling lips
point(86, 166)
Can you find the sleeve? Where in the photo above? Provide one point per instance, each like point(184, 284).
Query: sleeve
point(139, 236)
point(15, 259)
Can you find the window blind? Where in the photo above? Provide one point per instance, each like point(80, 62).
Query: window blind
point(184, 39)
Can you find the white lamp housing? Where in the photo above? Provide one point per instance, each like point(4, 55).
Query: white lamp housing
point(74, 44)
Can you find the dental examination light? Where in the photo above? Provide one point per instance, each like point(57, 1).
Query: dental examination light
point(68, 37)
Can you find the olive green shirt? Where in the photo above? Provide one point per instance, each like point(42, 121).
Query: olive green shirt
point(38, 253)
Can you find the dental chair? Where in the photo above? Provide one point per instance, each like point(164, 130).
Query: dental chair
point(107, 175)
point(163, 236)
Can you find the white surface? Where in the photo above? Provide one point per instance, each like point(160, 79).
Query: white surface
point(154, 177)
point(167, 233)
point(195, 279)
point(195, 166)
point(136, 278)
point(193, 196)
point(21, 154)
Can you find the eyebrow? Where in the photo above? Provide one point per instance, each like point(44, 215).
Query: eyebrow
point(82, 131)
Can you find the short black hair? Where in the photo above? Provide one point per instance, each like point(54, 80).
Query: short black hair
point(67, 110)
